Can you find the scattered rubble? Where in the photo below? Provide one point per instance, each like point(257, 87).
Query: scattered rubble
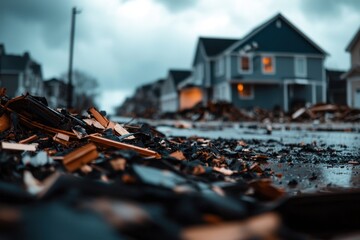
point(88, 177)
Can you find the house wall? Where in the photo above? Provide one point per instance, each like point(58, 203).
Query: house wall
point(284, 68)
point(11, 83)
point(355, 54)
point(315, 69)
point(265, 96)
point(353, 88)
point(169, 96)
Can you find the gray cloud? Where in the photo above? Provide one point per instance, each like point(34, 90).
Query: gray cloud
point(177, 5)
point(328, 8)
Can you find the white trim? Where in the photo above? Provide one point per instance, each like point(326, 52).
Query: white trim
point(228, 66)
point(298, 58)
point(256, 81)
point(239, 62)
point(286, 97)
point(208, 74)
point(324, 90)
point(313, 93)
point(282, 54)
point(273, 62)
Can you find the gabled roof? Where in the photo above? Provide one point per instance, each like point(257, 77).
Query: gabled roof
point(13, 63)
point(353, 41)
point(214, 46)
point(179, 75)
point(277, 43)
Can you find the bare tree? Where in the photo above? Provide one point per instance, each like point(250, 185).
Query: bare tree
point(85, 89)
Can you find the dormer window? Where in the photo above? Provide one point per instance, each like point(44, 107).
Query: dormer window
point(245, 63)
point(219, 67)
point(268, 64)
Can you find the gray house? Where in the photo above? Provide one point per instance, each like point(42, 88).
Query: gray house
point(20, 74)
point(275, 65)
point(170, 97)
point(353, 75)
point(56, 92)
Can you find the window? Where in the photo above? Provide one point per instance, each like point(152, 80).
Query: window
point(268, 64)
point(245, 64)
point(245, 91)
point(300, 67)
point(219, 67)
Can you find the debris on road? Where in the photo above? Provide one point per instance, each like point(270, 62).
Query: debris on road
point(89, 177)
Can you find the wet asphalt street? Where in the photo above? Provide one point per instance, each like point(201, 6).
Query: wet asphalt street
point(332, 162)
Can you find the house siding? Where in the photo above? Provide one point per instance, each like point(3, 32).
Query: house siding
point(284, 39)
point(283, 69)
point(265, 96)
point(315, 69)
point(11, 83)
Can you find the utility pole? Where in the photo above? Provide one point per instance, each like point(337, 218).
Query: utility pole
point(72, 34)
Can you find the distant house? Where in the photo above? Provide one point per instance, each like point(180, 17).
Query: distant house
point(56, 92)
point(336, 87)
point(275, 65)
point(20, 74)
point(170, 97)
point(353, 75)
point(145, 102)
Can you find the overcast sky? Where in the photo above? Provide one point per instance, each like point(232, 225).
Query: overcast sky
point(124, 43)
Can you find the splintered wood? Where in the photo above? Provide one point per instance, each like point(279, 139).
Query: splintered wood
point(111, 143)
point(100, 120)
point(79, 157)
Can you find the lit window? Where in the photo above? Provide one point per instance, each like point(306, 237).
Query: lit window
point(245, 90)
point(268, 64)
point(245, 64)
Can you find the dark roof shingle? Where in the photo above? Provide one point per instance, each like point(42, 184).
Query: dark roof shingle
point(214, 46)
point(179, 75)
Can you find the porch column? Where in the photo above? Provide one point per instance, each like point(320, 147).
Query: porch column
point(348, 92)
point(286, 100)
point(313, 93)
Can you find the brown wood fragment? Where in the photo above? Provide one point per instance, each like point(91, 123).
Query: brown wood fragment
point(18, 146)
point(111, 143)
point(4, 122)
point(100, 118)
point(264, 189)
point(264, 226)
point(94, 123)
point(121, 131)
point(118, 164)
point(79, 157)
point(29, 139)
point(178, 155)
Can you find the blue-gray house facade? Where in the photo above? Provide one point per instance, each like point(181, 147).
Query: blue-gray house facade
point(274, 66)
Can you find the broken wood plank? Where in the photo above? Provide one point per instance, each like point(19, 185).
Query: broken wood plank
point(111, 143)
point(18, 146)
point(79, 157)
point(100, 118)
point(29, 139)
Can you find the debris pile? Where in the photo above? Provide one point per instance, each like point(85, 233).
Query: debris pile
point(227, 112)
point(67, 176)
point(326, 113)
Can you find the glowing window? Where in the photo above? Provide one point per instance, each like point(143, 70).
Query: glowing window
point(268, 64)
point(245, 90)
